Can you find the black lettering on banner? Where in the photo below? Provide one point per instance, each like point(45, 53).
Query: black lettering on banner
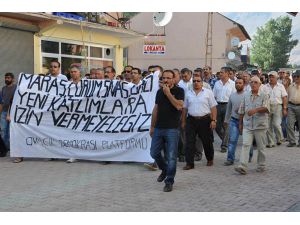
point(52, 104)
point(26, 77)
point(22, 96)
point(119, 124)
point(107, 130)
point(131, 100)
point(130, 123)
point(146, 118)
point(25, 115)
point(117, 104)
point(141, 102)
point(89, 123)
point(97, 129)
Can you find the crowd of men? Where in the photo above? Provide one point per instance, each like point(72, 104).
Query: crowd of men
point(262, 107)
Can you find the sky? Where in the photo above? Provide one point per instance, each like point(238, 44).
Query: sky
point(252, 20)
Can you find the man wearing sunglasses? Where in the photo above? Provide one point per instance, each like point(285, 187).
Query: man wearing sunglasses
point(54, 70)
point(199, 119)
point(253, 123)
point(293, 109)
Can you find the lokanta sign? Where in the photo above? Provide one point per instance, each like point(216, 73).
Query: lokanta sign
point(154, 48)
point(94, 119)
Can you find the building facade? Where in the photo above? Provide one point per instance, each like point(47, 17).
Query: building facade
point(29, 41)
point(183, 41)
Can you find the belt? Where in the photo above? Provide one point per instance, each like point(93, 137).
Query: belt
point(222, 103)
point(199, 117)
point(294, 104)
point(234, 118)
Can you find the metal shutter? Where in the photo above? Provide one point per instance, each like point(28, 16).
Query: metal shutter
point(16, 52)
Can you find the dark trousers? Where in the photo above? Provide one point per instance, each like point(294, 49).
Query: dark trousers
point(200, 127)
point(220, 129)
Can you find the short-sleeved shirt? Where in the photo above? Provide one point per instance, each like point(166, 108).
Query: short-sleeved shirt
point(199, 104)
point(276, 93)
point(222, 91)
point(258, 120)
point(7, 95)
point(168, 117)
point(294, 94)
point(233, 106)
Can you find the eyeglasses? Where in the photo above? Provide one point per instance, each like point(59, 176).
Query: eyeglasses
point(197, 81)
point(166, 78)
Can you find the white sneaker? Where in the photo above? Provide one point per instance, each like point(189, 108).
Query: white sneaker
point(71, 160)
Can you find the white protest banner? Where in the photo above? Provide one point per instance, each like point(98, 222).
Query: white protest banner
point(94, 119)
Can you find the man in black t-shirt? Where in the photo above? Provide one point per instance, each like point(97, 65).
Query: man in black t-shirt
point(164, 129)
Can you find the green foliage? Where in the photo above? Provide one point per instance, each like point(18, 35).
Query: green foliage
point(272, 44)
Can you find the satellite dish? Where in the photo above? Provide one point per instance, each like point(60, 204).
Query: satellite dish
point(235, 41)
point(161, 19)
point(231, 55)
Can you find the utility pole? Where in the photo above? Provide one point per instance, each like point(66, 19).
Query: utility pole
point(209, 45)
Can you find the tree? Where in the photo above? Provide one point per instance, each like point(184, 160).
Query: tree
point(272, 44)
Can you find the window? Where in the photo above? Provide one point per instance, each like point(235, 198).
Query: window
point(96, 52)
point(73, 49)
point(50, 46)
point(69, 52)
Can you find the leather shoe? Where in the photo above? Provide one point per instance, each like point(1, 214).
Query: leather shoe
point(210, 163)
point(168, 187)
point(161, 177)
point(188, 167)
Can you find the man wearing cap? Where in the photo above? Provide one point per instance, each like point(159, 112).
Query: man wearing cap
point(293, 109)
point(253, 123)
point(278, 108)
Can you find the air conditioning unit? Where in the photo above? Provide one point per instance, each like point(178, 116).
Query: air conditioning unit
point(109, 53)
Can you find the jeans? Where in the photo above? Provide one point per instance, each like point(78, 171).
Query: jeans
point(169, 138)
point(284, 126)
point(233, 140)
point(5, 129)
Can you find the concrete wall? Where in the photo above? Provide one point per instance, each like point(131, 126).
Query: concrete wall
point(185, 40)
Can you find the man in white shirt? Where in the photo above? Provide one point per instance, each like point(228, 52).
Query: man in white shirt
point(222, 90)
point(278, 106)
point(186, 82)
point(199, 120)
